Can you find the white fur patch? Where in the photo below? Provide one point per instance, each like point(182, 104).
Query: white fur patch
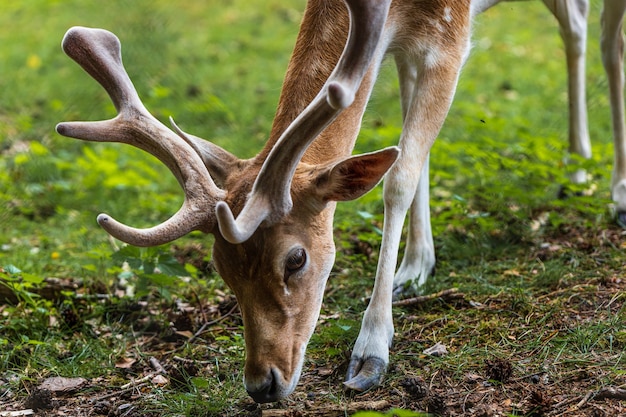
point(447, 14)
point(432, 57)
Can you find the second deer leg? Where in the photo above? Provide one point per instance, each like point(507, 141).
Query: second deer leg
point(419, 255)
point(572, 18)
point(612, 45)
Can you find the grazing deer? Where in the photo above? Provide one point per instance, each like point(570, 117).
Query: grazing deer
point(272, 214)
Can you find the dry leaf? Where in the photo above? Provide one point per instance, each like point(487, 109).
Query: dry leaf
point(59, 384)
point(436, 350)
point(160, 380)
point(185, 333)
point(325, 370)
point(125, 363)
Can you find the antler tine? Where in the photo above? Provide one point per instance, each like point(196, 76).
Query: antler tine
point(271, 191)
point(98, 52)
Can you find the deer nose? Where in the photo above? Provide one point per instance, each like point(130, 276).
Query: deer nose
point(264, 392)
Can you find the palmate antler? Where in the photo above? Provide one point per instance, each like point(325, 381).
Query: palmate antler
point(98, 52)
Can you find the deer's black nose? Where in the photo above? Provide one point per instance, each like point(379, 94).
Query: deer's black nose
point(265, 392)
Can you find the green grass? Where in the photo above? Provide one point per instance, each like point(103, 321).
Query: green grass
point(533, 261)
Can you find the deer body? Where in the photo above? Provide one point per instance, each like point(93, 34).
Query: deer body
point(324, 23)
point(272, 215)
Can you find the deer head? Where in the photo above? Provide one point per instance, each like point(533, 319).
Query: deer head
point(271, 215)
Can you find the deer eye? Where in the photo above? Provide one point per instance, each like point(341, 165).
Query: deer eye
point(295, 261)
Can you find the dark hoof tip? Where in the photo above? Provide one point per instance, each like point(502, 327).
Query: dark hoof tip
point(370, 374)
point(565, 192)
point(620, 218)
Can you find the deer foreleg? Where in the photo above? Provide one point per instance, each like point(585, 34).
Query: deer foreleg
point(612, 45)
point(418, 262)
point(419, 256)
point(428, 104)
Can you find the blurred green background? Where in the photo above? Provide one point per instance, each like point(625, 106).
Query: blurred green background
point(217, 68)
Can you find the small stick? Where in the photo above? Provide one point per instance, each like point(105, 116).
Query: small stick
point(562, 404)
point(582, 402)
point(158, 368)
point(185, 360)
point(20, 413)
point(157, 365)
point(210, 323)
point(449, 294)
point(136, 382)
point(113, 394)
point(611, 392)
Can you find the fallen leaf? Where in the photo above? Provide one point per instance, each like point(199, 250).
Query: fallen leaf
point(185, 333)
point(58, 384)
point(325, 370)
point(160, 380)
point(436, 350)
point(125, 363)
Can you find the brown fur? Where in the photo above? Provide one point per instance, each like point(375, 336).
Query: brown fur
point(280, 305)
point(274, 322)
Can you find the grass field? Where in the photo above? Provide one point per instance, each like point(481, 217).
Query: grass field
point(539, 331)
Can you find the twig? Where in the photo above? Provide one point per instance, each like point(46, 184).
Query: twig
point(524, 377)
point(611, 392)
point(579, 288)
point(158, 368)
point(202, 311)
point(449, 294)
point(20, 413)
point(130, 409)
point(615, 393)
point(136, 382)
point(562, 404)
point(80, 296)
point(586, 398)
point(120, 392)
point(185, 360)
point(210, 323)
point(199, 332)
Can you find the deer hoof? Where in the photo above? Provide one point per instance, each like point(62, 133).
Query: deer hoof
point(365, 374)
point(620, 218)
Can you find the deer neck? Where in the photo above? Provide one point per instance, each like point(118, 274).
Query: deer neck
point(319, 45)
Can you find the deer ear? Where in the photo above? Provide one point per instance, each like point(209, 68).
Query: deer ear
point(352, 177)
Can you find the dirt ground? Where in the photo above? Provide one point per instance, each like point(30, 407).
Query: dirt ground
point(496, 391)
point(527, 396)
point(501, 387)
point(477, 395)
